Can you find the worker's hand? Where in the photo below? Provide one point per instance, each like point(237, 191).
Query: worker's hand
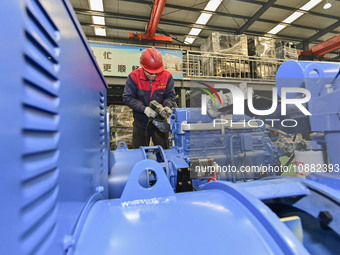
point(168, 111)
point(150, 113)
point(165, 112)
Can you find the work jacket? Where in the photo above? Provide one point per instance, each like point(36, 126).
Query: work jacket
point(139, 92)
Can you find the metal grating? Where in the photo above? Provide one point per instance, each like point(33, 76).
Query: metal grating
point(40, 130)
point(102, 132)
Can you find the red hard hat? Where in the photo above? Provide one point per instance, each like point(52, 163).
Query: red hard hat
point(151, 61)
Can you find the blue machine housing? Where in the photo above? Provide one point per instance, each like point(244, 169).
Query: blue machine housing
point(54, 178)
point(235, 146)
point(53, 130)
point(323, 82)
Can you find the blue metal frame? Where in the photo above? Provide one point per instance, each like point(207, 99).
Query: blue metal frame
point(53, 128)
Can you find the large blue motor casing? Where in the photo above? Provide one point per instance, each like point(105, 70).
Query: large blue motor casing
point(53, 128)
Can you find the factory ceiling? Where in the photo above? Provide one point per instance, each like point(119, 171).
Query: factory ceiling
point(304, 22)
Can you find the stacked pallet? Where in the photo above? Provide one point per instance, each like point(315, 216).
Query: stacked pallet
point(264, 48)
point(223, 45)
point(286, 50)
point(226, 43)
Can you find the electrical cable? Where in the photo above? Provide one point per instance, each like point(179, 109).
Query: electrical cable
point(147, 141)
point(290, 160)
point(211, 178)
point(169, 34)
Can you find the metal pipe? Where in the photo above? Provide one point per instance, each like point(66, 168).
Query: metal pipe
point(155, 17)
point(323, 47)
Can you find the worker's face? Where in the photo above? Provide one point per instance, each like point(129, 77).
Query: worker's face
point(150, 76)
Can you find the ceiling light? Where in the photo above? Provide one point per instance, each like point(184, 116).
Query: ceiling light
point(310, 5)
point(212, 5)
point(276, 29)
point(195, 31)
point(203, 18)
point(96, 5)
point(189, 40)
point(293, 17)
point(327, 5)
point(100, 31)
point(98, 20)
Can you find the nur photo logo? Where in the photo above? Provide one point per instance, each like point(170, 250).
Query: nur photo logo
point(237, 97)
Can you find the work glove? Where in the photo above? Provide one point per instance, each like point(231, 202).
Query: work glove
point(168, 111)
point(164, 127)
point(150, 113)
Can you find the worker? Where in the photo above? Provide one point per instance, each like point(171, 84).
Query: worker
point(145, 84)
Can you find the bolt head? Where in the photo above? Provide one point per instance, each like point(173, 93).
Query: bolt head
point(99, 189)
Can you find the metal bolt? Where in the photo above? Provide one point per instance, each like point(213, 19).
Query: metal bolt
point(99, 189)
point(180, 184)
point(179, 169)
point(325, 217)
point(189, 182)
point(68, 241)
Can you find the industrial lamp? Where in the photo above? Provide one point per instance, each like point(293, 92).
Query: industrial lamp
point(327, 5)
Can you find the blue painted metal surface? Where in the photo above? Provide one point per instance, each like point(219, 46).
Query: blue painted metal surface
point(307, 200)
point(284, 238)
point(158, 221)
point(276, 188)
point(54, 149)
point(123, 160)
point(323, 82)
